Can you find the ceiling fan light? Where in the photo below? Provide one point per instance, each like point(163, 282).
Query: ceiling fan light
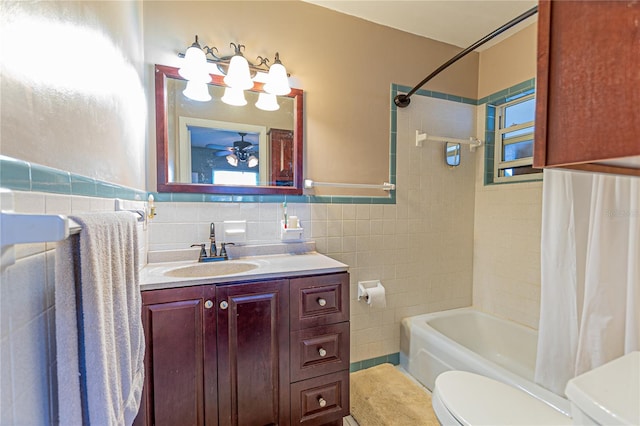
point(197, 91)
point(238, 75)
point(267, 102)
point(277, 80)
point(252, 161)
point(233, 97)
point(232, 159)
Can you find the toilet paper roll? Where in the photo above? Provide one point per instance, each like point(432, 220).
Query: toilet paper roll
point(376, 297)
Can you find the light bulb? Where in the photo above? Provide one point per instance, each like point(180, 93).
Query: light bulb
point(277, 81)
point(197, 91)
point(267, 102)
point(233, 96)
point(252, 161)
point(238, 75)
point(194, 67)
point(232, 159)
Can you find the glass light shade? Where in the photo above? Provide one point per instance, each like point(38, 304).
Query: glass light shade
point(267, 102)
point(232, 159)
point(277, 81)
point(197, 91)
point(238, 75)
point(233, 96)
point(194, 67)
point(252, 161)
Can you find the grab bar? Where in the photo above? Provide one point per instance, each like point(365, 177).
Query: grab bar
point(308, 183)
point(472, 142)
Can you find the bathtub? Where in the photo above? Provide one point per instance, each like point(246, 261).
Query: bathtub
point(469, 340)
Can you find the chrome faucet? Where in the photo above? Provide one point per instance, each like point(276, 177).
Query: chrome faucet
point(212, 238)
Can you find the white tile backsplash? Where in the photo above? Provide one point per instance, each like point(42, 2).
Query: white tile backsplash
point(28, 384)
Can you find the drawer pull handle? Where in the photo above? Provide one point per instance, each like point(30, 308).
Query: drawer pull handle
point(322, 402)
point(322, 352)
point(322, 301)
point(224, 305)
point(208, 304)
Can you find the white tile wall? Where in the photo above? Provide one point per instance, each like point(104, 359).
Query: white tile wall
point(28, 384)
point(506, 264)
point(420, 248)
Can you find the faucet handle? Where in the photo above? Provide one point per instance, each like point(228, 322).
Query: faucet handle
point(203, 251)
point(223, 250)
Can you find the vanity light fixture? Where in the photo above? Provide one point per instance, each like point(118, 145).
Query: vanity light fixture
point(239, 73)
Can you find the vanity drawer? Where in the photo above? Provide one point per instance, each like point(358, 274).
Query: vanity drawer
point(320, 400)
point(319, 350)
point(319, 300)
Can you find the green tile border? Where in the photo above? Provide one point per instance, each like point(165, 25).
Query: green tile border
point(372, 362)
point(24, 176)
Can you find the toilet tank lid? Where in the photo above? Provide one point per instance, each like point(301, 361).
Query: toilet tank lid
point(478, 400)
point(609, 394)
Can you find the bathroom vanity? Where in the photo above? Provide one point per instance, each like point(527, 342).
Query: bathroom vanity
point(264, 346)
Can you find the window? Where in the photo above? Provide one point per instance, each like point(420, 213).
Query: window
point(514, 140)
point(224, 177)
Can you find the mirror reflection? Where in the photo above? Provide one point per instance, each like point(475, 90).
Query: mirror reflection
point(452, 154)
point(218, 148)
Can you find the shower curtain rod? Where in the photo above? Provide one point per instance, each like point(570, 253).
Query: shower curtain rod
point(403, 100)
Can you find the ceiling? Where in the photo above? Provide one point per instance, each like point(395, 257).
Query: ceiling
point(457, 22)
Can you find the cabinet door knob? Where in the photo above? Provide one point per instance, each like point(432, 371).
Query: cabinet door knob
point(208, 304)
point(322, 402)
point(322, 352)
point(224, 305)
point(322, 301)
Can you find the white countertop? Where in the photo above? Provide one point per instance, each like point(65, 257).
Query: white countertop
point(270, 266)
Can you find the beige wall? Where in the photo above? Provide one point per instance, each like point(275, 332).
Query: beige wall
point(509, 62)
point(345, 66)
point(72, 90)
point(507, 221)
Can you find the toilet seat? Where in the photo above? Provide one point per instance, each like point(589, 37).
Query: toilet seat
point(463, 398)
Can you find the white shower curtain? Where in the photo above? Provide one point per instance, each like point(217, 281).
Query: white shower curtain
point(590, 263)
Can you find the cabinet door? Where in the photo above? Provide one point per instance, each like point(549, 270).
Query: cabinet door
point(253, 353)
point(180, 359)
point(281, 157)
point(587, 86)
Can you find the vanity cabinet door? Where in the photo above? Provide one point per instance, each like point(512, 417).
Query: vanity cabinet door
point(180, 359)
point(253, 353)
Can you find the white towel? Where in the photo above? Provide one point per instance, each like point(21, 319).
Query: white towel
point(100, 340)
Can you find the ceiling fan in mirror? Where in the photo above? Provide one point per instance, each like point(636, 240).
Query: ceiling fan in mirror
point(240, 152)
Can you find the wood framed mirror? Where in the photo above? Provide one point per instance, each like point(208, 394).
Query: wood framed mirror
point(215, 148)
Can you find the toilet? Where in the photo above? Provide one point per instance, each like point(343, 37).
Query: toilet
point(607, 395)
point(463, 398)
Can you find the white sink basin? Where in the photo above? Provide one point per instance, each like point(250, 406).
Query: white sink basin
point(213, 269)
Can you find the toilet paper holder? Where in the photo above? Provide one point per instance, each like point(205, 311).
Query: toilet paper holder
point(364, 285)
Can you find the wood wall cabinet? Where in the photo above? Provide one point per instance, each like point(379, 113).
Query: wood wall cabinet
point(224, 354)
point(282, 155)
point(588, 81)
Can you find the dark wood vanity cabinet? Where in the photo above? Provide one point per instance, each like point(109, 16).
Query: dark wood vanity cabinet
point(255, 353)
point(180, 357)
point(587, 86)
